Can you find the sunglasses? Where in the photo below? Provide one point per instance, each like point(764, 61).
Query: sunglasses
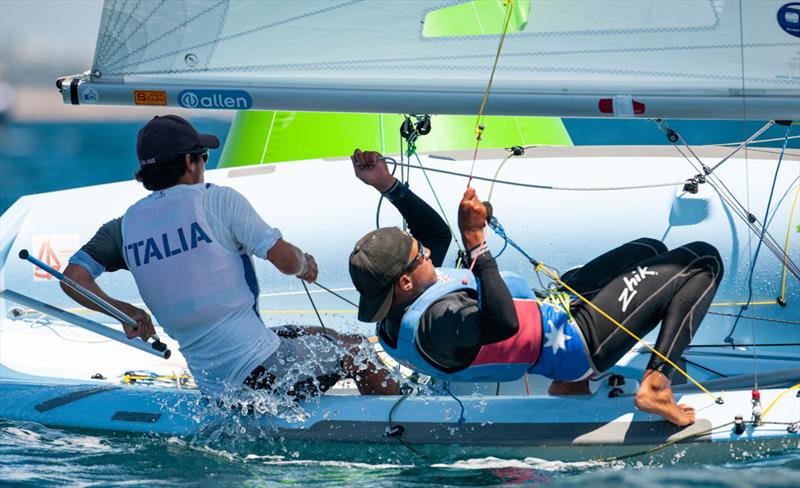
point(416, 260)
point(203, 155)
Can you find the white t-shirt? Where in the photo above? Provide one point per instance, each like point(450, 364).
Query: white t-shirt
point(219, 330)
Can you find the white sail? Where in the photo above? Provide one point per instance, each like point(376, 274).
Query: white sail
point(588, 58)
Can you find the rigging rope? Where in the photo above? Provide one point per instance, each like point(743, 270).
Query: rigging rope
point(479, 121)
point(499, 167)
point(782, 298)
point(780, 395)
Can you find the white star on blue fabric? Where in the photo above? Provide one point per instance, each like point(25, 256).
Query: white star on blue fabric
point(556, 338)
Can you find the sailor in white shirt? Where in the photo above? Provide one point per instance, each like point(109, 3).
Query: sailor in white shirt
point(190, 248)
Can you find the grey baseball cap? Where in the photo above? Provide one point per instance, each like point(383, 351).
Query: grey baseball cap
point(377, 261)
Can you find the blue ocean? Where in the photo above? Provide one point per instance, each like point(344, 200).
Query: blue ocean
point(39, 157)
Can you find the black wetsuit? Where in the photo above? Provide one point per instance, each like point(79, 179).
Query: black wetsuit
point(639, 284)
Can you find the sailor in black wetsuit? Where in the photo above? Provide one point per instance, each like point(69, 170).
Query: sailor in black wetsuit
point(462, 327)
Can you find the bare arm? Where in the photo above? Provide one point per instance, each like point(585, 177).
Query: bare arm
point(80, 275)
point(290, 260)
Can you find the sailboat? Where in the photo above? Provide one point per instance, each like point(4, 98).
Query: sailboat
point(363, 62)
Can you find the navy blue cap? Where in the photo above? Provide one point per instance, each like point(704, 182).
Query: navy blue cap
point(168, 136)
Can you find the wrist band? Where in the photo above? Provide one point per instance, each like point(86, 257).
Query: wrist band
point(397, 191)
point(476, 251)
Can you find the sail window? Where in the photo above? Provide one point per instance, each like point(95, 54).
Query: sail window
point(476, 18)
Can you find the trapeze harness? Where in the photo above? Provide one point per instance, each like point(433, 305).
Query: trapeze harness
point(562, 356)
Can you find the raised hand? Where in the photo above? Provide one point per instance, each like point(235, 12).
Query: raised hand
point(471, 218)
point(370, 167)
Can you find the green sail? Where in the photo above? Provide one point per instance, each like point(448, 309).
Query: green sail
point(267, 137)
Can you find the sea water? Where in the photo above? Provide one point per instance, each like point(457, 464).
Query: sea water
point(37, 156)
point(34, 455)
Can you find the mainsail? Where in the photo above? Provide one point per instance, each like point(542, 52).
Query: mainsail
point(709, 59)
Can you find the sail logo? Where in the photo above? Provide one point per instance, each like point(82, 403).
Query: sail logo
point(639, 274)
point(55, 251)
point(216, 99)
point(789, 18)
point(90, 95)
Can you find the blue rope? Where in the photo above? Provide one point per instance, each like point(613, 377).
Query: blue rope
point(500, 231)
point(729, 338)
point(505, 245)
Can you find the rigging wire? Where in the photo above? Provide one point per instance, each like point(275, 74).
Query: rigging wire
point(550, 187)
point(319, 317)
point(706, 175)
point(751, 317)
point(336, 294)
point(745, 144)
point(439, 203)
point(729, 337)
point(705, 368)
point(727, 346)
point(750, 142)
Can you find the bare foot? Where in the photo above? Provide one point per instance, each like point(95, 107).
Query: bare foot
point(569, 388)
point(655, 396)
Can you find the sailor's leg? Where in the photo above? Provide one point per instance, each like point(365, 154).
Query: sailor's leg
point(677, 287)
point(701, 277)
point(359, 362)
point(589, 279)
point(592, 276)
point(304, 365)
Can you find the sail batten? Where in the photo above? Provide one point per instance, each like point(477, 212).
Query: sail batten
point(562, 51)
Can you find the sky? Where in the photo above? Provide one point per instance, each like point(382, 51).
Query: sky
point(41, 40)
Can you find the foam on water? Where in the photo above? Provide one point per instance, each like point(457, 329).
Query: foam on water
point(37, 437)
point(527, 463)
point(281, 460)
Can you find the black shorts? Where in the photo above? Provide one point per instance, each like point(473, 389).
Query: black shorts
point(304, 365)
